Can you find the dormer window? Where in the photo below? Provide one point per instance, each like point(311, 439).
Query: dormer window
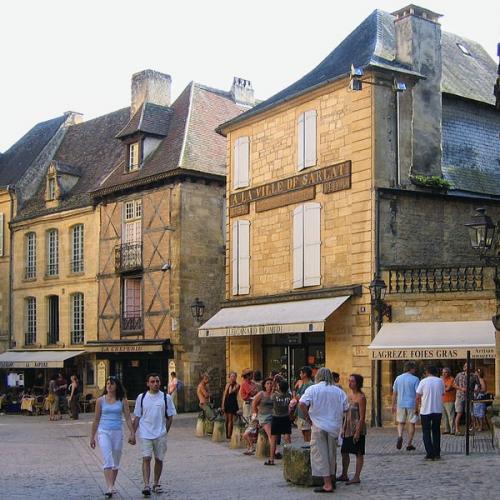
point(133, 156)
point(52, 189)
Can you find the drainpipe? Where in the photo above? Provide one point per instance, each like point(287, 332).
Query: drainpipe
point(378, 363)
point(11, 191)
point(398, 157)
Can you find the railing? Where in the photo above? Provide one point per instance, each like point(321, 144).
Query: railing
point(132, 324)
point(77, 337)
point(52, 269)
point(436, 279)
point(128, 257)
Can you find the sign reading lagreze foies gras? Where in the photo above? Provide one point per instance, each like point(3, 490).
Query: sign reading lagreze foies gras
point(416, 353)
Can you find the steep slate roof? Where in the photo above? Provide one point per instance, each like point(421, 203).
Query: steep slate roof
point(191, 143)
point(18, 158)
point(372, 44)
point(89, 148)
point(150, 119)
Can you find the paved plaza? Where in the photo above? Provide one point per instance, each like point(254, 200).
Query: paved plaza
point(52, 460)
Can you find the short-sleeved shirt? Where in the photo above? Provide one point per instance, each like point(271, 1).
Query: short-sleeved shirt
point(301, 391)
point(153, 422)
point(405, 386)
point(461, 381)
point(431, 389)
point(327, 404)
point(450, 391)
point(247, 390)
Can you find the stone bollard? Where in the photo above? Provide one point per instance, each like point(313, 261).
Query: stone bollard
point(200, 425)
point(237, 440)
point(219, 429)
point(209, 427)
point(262, 448)
point(297, 466)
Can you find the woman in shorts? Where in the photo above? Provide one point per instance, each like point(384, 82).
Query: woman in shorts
point(281, 423)
point(108, 425)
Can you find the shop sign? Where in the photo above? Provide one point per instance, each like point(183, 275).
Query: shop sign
point(101, 374)
point(30, 364)
point(123, 348)
point(432, 353)
point(237, 331)
point(334, 178)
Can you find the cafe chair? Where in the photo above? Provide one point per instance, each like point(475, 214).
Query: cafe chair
point(87, 403)
point(39, 406)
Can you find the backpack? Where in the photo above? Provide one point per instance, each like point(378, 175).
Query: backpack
point(143, 395)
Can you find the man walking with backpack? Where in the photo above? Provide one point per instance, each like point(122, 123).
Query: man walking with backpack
point(154, 412)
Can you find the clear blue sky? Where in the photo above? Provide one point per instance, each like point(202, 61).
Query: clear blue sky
point(60, 55)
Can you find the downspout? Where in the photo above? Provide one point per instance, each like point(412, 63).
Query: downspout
point(11, 191)
point(378, 363)
point(398, 158)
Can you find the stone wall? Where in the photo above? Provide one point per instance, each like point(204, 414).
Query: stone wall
point(201, 276)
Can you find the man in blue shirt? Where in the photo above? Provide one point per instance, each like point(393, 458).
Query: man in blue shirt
point(404, 393)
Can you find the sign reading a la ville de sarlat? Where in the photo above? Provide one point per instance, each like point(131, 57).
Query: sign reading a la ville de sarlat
point(292, 190)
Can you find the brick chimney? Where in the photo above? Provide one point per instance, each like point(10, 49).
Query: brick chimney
point(242, 92)
point(418, 44)
point(150, 86)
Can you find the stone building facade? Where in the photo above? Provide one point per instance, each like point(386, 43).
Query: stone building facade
point(336, 187)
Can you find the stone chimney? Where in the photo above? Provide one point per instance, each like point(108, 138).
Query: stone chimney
point(242, 92)
point(418, 44)
point(73, 117)
point(150, 86)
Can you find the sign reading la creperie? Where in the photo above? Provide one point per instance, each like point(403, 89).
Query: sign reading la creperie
point(333, 178)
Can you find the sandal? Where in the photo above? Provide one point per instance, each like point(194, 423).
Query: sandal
point(249, 452)
point(108, 494)
point(146, 491)
point(269, 462)
point(343, 478)
point(157, 488)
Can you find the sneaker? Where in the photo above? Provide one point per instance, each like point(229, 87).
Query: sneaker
point(410, 447)
point(399, 443)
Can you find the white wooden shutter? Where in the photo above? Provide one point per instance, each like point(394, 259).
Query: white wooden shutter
point(241, 162)
point(312, 244)
point(300, 142)
point(234, 259)
point(1, 234)
point(244, 257)
point(241, 257)
point(298, 247)
point(310, 138)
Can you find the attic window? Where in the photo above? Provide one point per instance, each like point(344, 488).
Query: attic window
point(464, 49)
point(133, 156)
point(52, 189)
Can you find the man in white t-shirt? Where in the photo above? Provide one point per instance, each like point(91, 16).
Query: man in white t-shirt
point(429, 403)
point(154, 412)
point(323, 406)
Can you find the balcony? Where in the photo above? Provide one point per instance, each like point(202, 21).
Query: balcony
point(436, 280)
point(128, 257)
point(131, 325)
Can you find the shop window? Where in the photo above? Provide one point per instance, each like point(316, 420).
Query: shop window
point(241, 162)
point(307, 245)
point(241, 257)
point(306, 140)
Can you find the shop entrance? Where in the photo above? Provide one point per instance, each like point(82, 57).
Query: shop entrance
point(287, 354)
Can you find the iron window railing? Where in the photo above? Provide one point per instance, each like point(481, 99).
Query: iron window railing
point(131, 323)
point(128, 256)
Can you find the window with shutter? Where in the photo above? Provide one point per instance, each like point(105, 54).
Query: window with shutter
point(241, 257)
point(307, 245)
point(306, 140)
point(241, 162)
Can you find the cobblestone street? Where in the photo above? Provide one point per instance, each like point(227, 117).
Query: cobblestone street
point(47, 460)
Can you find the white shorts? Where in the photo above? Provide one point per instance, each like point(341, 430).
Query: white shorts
point(404, 415)
point(111, 444)
point(302, 424)
point(157, 446)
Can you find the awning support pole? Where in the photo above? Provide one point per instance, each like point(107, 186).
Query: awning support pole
point(467, 406)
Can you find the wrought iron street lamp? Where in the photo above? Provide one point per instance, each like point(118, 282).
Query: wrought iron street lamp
point(198, 309)
point(378, 289)
point(482, 232)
